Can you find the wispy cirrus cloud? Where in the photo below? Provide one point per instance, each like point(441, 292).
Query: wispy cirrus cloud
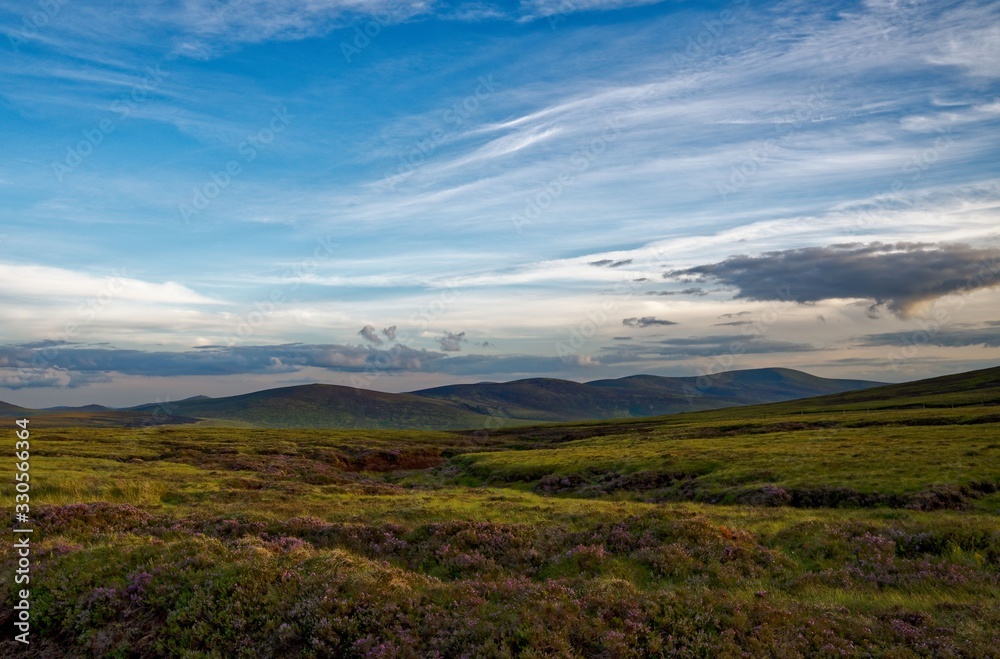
point(532, 9)
point(872, 122)
point(204, 28)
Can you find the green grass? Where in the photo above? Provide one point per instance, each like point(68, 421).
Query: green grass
point(777, 530)
point(713, 457)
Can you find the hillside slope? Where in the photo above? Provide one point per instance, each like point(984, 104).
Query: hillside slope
point(327, 406)
point(638, 395)
point(454, 407)
point(970, 388)
point(8, 410)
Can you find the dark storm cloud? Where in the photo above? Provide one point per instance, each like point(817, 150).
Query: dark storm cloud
point(21, 361)
point(898, 276)
point(390, 332)
point(369, 334)
point(25, 367)
point(646, 321)
point(948, 338)
point(451, 342)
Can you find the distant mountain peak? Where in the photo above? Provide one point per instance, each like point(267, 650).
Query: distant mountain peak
point(520, 402)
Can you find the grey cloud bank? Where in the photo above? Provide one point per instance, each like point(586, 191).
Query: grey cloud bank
point(897, 276)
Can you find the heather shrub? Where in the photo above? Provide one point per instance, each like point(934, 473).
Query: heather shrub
point(674, 538)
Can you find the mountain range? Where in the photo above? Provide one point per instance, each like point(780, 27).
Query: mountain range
point(461, 406)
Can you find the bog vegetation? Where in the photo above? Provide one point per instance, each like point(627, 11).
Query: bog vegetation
point(846, 527)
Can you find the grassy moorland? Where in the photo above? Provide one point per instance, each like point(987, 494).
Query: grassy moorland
point(850, 525)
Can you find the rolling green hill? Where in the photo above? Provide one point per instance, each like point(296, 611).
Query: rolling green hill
point(6, 409)
point(484, 405)
point(970, 388)
point(327, 406)
point(545, 399)
point(971, 394)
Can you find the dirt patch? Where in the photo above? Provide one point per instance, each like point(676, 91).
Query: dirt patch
point(595, 484)
point(768, 495)
point(939, 497)
point(392, 461)
point(659, 487)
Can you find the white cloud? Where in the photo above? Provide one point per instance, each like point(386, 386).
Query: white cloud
point(532, 9)
point(649, 195)
point(977, 51)
point(41, 283)
point(208, 25)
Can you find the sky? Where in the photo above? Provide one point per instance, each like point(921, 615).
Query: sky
point(206, 197)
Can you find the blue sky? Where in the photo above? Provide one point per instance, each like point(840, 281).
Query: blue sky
point(208, 197)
